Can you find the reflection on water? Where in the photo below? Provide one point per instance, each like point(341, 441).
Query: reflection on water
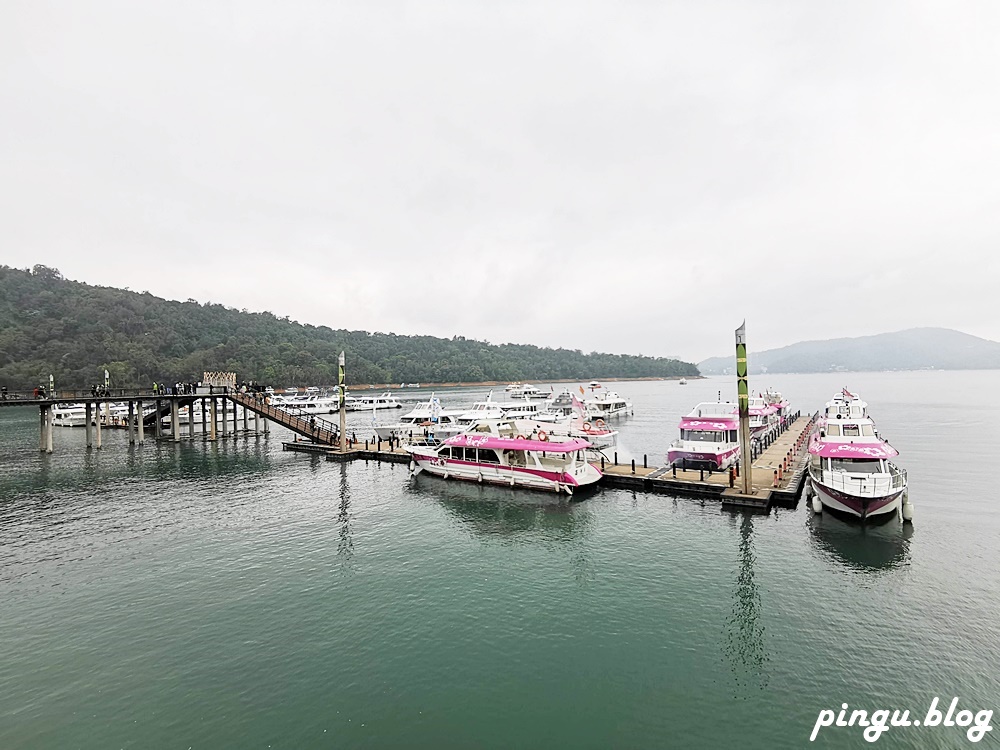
point(489, 510)
point(869, 547)
point(744, 639)
point(345, 543)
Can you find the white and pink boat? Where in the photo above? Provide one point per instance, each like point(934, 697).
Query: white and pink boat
point(763, 416)
point(503, 453)
point(709, 438)
point(850, 468)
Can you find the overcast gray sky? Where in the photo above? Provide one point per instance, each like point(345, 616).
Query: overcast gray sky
point(630, 177)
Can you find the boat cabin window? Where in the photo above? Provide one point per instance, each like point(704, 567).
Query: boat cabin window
point(868, 430)
point(857, 465)
point(514, 457)
point(851, 430)
point(703, 436)
point(833, 430)
point(732, 436)
point(488, 456)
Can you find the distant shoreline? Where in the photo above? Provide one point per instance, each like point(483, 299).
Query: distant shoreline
point(494, 383)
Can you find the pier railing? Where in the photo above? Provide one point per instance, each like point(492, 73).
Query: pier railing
point(110, 393)
point(315, 428)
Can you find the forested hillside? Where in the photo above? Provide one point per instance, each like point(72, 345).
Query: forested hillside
point(52, 325)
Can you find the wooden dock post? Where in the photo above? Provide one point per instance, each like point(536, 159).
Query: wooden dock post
point(41, 428)
point(50, 414)
point(131, 417)
point(246, 424)
point(235, 424)
point(225, 422)
point(158, 424)
point(175, 421)
point(190, 408)
point(97, 422)
point(89, 428)
point(204, 417)
point(213, 418)
point(256, 422)
point(343, 403)
point(743, 391)
point(140, 427)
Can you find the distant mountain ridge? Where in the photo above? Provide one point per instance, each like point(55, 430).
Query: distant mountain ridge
point(912, 349)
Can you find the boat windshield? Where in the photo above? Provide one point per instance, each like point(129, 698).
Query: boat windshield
point(857, 465)
point(705, 436)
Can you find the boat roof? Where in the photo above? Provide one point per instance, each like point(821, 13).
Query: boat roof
point(499, 443)
point(713, 409)
point(835, 449)
point(716, 423)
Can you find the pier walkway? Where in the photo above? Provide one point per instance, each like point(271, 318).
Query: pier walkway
point(321, 431)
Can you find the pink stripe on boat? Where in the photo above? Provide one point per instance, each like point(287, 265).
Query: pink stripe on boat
point(827, 449)
point(486, 441)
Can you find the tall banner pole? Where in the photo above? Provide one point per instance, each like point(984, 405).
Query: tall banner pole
point(343, 403)
point(743, 390)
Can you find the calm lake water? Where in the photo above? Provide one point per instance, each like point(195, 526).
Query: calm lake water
point(232, 595)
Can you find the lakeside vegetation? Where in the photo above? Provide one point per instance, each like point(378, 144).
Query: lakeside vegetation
point(75, 331)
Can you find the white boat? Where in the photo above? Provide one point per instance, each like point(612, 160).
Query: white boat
point(480, 411)
point(427, 419)
point(315, 403)
point(682, 381)
point(512, 386)
point(71, 415)
point(531, 410)
point(595, 385)
point(568, 413)
point(849, 464)
point(504, 453)
point(368, 403)
point(607, 404)
point(527, 391)
point(709, 438)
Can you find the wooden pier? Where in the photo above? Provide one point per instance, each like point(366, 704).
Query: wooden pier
point(219, 415)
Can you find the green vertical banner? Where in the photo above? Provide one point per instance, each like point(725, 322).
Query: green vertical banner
point(743, 391)
point(343, 401)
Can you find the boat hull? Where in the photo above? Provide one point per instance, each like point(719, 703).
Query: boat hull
point(510, 476)
point(704, 459)
point(854, 505)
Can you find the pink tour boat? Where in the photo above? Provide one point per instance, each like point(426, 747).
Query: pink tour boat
point(505, 453)
point(850, 470)
point(709, 438)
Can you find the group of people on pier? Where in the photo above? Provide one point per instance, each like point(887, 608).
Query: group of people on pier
point(177, 389)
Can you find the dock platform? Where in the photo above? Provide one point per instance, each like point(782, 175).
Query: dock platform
point(778, 472)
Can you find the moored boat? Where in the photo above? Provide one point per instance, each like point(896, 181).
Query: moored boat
point(506, 455)
point(428, 419)
point(480, 411)
point(607, 404)
point(709, 438)
point(367, 403)
point(850, 470)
